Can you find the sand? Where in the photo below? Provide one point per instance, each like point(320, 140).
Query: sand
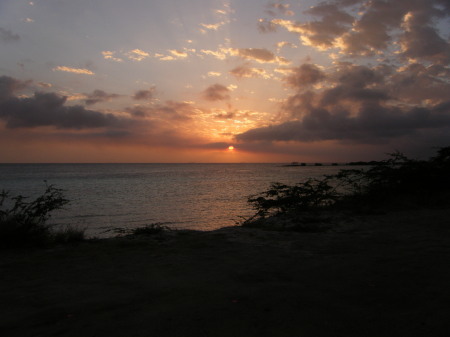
point(378, 275)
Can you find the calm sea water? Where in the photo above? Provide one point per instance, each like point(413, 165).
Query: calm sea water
point(188, 196)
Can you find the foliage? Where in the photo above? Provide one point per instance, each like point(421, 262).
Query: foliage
point(280, 198)
point(24, 223)
point(152, 229)
point(396, 182)
point(68, 234)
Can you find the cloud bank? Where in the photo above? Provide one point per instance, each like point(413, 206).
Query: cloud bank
point(389, 81)
point(48, 116)
point(47, 109)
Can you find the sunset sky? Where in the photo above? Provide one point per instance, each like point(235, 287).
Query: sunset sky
point(181, 81)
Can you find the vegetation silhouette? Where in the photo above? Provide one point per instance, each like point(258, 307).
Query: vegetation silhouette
point(24, 223)
point(395, 183)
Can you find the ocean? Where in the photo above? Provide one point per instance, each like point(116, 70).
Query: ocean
point(183, 196)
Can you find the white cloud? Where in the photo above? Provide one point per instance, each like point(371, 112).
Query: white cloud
point(109, 55)
point(74, 70)
point(137, 55)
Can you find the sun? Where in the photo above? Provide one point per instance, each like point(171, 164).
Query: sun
point(231, 148)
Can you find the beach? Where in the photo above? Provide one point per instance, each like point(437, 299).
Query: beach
point(372, 275)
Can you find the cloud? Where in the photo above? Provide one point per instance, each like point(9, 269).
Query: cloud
point(260, 55)
point(216, 92)
point(179, 53)
point(282, 44)
point(170, 111)
point(46, 117)
point(305, 75)
point(424, 42)
point(420, 84)
point(227, 115)
point(8, 36)
point(9, 86)
point(388, 83)
point(279, 8)
point(109, 55)
point(44, 85)
point(214, 74)
point(213, 27)
point(257, 54)
point(73, 70)
point(267, 26)
point(374, 123)
point(360, 28)
point(143, 95)
point(220, 54)
point(98, 96)
point(48, 109)
point(174, 54)
point(245, 71)
point(137, 55)
point(361, 104)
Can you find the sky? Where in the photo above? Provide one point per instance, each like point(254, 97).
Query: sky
point(182, 81)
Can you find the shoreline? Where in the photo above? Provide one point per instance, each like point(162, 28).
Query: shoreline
point(377, 275)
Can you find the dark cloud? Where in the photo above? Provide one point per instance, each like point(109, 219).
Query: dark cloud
point(98, 96)
point(402, 99)
point(9, 86)
point(8, 36)
point(216, 92)
point(424, 42)
point(164, 125)
point(143, 95)
point(419, 84)
point(332, 22)
point(373, 124)
point(305, 75)
point(362, 104)
point(47, 109)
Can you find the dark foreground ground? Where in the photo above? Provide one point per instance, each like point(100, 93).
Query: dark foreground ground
point(383, 275)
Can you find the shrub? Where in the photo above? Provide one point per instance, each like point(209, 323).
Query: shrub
point(397, 182)
point(308, 195)
point(152, 229)
point(68, 234)
point(24, 223)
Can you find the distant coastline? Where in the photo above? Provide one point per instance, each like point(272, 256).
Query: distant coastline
point(352, 163)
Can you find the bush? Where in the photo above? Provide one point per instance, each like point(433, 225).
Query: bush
point(24, 223)
point(67, 235)
point(152, 229)
point(397, 182)
point(305, 196)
